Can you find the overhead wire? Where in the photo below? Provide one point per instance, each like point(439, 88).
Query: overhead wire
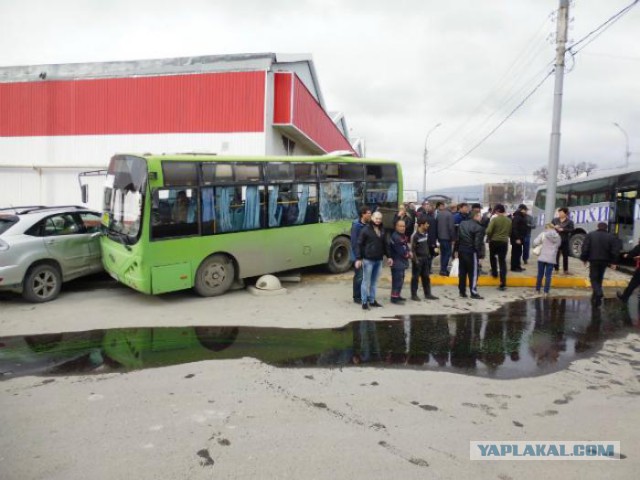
point(530, 52)
point(589, 38)
point(504, 120)
point(599, 30)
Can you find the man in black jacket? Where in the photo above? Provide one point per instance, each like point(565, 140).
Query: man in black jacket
point(635, 280)
point(600, 249)
point(519, 230)
point(470, 249)
point(421, 260)
point(371, 248)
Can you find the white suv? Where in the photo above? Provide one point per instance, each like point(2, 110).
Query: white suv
point(41, 247)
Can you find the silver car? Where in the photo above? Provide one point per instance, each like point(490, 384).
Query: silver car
point(41, 247)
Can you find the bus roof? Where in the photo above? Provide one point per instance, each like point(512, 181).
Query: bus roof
point(212, 157)
point(598, 176)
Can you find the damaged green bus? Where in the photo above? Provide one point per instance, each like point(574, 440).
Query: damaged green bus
point(174, 222)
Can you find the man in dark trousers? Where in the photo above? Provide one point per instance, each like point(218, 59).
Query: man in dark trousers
point(600, 249)
point(519, 230)
point(421, 261)
point(498, 234)
point(526, 246)
point(432, 232)
point(471, 248)
point(445, 228)
point(356, 227)
point(634, 254)
point(564, 226)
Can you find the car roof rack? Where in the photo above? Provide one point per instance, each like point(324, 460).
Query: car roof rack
point(21, 209)
point(39, 208)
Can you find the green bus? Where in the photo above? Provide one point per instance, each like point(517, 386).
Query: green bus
point(173, 222)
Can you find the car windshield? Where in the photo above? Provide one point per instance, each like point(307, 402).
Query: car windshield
point(124, 192)
point(6, 222)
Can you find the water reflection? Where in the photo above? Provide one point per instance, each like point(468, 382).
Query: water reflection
point(521, 339)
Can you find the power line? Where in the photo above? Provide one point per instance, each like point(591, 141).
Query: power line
point(596, 32)
point(590, 37)
point(504, 120)
point(525, 57)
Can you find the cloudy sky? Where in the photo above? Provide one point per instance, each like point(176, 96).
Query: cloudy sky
point(396, 68)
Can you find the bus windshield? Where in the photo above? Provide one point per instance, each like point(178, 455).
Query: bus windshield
point(123, 197)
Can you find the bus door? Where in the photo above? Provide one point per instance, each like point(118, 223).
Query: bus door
point(636, 226)
point(624, 223)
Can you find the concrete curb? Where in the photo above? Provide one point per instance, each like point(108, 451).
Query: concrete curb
point(485, 281)
point(558, 282)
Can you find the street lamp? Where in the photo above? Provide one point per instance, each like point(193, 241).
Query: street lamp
point(627, 153)
point(424, 158)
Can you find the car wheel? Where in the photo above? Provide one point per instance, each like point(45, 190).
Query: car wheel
point(339, 255)
point(215, 276)
point(575, 244)
point(42, 283)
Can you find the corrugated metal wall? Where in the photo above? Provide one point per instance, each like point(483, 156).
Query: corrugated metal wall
point(311, 119)
point(218, 102)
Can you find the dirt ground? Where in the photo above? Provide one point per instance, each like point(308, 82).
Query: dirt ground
point(246, 419)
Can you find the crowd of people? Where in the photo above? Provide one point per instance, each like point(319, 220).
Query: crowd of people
point(458, 234)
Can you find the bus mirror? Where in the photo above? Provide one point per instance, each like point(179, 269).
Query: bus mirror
point(84, 189)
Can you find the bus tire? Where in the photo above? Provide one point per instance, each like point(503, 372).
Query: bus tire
point(215, 276)
point(339, 255)
point(42, 283)
point(216, 339)
point(575, 244)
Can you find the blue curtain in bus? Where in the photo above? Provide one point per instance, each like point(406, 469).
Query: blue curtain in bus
point(223, 200)
point(330, 209)
point(207, 205)
point(392, 193)
point(303, 202)
point(348, 201)
point(191, 212)
point(251, 209)
point(275, 214)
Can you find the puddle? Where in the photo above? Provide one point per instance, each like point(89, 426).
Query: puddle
point(521, 339)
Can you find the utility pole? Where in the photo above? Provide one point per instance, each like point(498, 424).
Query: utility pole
point(554, 147)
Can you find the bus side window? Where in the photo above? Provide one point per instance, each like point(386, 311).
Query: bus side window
point(174, 213)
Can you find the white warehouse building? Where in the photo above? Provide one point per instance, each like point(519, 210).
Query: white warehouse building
point(59, 120)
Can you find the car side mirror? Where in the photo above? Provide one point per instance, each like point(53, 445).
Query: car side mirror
point(84, 190)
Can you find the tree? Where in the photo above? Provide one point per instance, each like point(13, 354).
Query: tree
point(566, 171)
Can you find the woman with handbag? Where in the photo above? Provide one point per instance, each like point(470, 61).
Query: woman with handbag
point(546, 247)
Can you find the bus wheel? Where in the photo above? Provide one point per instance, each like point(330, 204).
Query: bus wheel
point(575, 244)
point(339, 255)
point(216, 338)
point(214, 276)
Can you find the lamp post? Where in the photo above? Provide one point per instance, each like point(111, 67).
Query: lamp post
point(424, 158)
point(627, 153)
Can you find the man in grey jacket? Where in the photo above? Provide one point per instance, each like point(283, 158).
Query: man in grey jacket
point(445, 228)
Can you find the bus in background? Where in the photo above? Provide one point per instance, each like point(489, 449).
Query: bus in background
point(173, 222)
point(611, 198)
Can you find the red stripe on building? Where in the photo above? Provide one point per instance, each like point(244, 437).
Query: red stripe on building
point(311, 119)
point(282, 98)
point(197, 103)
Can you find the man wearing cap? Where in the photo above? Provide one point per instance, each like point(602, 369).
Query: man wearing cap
point(600, 249)
point(519, 230)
